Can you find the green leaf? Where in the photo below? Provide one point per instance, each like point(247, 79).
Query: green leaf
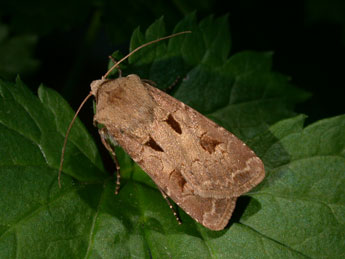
point(298, 210)
point(34, 129)
point(301, 200)
point(148, 54)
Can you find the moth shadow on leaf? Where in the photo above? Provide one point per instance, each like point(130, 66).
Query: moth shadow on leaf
point(243, 209)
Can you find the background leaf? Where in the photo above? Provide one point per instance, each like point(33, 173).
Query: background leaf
point(296, 212)
point(16, 54)
point(241, 92)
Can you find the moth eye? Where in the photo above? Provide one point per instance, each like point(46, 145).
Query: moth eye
point(209, 144)
point(174, 124)
point(153, 144)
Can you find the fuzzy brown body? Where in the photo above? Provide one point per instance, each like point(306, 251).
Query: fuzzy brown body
point(197, 163)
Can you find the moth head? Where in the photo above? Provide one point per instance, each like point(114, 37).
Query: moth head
point(95, 85)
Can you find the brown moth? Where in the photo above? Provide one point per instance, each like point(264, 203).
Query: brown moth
point(200, 165)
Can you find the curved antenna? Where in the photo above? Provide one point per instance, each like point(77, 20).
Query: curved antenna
point(140, 47)
point(67, 134)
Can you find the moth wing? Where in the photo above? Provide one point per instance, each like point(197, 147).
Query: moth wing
point(213, 213)
point(212, 160)
point(200, 165)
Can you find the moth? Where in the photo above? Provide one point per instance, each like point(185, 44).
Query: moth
point(200, 165)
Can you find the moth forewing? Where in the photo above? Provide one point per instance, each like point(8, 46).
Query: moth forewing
point(227, 166)
point(200, 165)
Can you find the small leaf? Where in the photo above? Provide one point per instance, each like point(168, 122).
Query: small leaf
point(149, 53)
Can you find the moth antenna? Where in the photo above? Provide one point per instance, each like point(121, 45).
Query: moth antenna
point(140, 47)
point(114, 61)
point(67, 134)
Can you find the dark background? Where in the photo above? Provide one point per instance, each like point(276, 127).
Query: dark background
point(72, 39)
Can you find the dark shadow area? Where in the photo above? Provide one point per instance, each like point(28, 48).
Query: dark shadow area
point(307, 38)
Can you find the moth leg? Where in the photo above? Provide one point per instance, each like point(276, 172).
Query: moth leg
point(118, 68)
point(117, 165)
point(172, 86)
point(169, 88)
point(170, 206)
point(150, 82)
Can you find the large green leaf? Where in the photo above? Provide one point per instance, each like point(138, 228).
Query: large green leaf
point(298, 210)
